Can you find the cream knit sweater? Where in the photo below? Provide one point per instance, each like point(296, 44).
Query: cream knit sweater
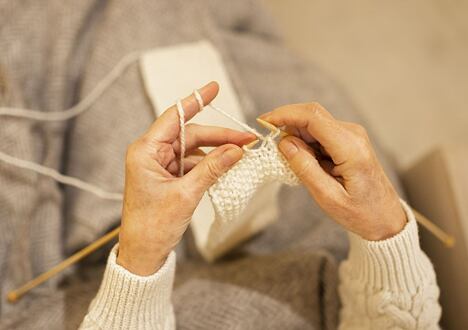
point(388, 284)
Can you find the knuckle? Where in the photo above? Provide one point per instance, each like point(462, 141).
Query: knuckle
point(361, 130)
point(143, 140)
point(191, 127)
point(316, 108)
point(214, 169)
point(131, 156)
point(363, 148)
point(357, 129)
point(304, 169)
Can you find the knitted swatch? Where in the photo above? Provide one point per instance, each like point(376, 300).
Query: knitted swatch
point(232, 192)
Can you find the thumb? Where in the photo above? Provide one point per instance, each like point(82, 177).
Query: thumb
point(212, 167)
point(303, 163)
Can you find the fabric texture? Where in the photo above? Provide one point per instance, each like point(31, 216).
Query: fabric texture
point(387, 284)
point(51, 56)
point(233, 191)
point(122, 293)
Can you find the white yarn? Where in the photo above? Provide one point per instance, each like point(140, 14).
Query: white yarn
point(81, 106)
point(234, 119)
point(233, 191)
point(199, 99)
point(230, 195)
point(72, 112)
point(52, 173)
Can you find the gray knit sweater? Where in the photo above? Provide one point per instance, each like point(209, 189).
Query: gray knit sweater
point(51, 55)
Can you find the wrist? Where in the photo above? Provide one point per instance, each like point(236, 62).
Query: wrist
point(391, 224)
point(138, 261)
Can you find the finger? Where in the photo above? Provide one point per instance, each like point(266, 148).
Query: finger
point(213, 166)
point(189, 162)
point(166, 127)
point(318, 122)
point(207, 136)
point(301, 133)
point(304, 164)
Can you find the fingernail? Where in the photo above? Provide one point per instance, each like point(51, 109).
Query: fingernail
point(288, 148)
point(231, 156)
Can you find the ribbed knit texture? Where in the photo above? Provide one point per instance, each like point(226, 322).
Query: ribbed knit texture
point(129, 301)
point(387, 284)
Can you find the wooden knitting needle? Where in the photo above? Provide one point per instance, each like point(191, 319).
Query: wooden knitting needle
point(15, 295)
point(269, 126)
point(272, 127)
point(445, 238)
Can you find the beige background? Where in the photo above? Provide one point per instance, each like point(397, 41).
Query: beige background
point(404, 63)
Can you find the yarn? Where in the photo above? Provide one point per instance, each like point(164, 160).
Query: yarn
point(232, 192)
point(70, 113)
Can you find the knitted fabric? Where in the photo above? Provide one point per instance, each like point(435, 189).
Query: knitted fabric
point(233, 191)
point(231, 194)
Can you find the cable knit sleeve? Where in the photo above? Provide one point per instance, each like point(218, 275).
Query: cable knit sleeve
point(389, 284)
point(129, 301)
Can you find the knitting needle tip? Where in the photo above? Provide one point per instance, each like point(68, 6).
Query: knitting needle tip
point(251, 144)
point(271, 127)
point(12, 297)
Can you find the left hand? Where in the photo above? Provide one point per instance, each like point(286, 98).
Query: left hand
point(158, 205)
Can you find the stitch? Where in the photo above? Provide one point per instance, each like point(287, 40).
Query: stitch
point(232, 192)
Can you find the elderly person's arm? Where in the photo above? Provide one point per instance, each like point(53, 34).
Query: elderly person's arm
point(387, 282)
point(158, 205)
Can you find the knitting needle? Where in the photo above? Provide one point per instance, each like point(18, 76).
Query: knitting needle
point(252, 144)
point(15, 295)
point(268, 126)
point(271, 127)
point(445, 238)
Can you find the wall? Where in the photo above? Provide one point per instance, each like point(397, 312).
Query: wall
point(404, 63)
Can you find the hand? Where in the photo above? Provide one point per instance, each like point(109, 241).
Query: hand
point(337, 164)
point(158, 205)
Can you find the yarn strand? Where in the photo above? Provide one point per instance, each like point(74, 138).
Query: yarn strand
point(72, 112)
point(65, 179)
point(81, 106)
point(237, 121)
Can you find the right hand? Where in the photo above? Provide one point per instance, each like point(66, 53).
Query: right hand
point(336, 162)
point(158, 205)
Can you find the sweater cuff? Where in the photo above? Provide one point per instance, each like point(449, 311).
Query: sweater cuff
point(396, 264)
point(126, 300)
